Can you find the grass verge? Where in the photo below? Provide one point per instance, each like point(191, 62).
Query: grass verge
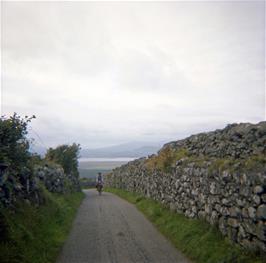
point(195, 238)
point(36, 234)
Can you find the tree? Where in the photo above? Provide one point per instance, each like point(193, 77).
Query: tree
point(66, 156)
point(14, 146)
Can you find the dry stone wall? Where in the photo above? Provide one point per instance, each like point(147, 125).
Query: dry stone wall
point(27, 186)
point(56, 180)
point(222, 180)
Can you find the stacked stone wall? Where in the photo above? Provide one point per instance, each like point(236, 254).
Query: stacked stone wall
point(56, 180)
point(222, 181)
point(27, 186)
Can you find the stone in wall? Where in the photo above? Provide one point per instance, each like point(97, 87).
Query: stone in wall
point(55, 180)
point(236, 140)
point(222, 181)
point(26, 185)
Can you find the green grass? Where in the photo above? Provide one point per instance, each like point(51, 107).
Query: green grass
point(165, 159)
point(198, 240)
point(36, 234)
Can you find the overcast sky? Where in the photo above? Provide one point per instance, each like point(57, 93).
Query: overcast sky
point(111, 72)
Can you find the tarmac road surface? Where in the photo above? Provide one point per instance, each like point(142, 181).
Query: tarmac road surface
point(108, 229)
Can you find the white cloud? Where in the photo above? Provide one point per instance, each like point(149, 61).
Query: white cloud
point(103, 73)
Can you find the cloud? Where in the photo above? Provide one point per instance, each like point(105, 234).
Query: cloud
point(105, 73)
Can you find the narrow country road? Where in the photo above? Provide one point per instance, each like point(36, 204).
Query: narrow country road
point(108, 229)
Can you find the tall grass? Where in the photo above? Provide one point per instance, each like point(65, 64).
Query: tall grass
point(195, 238)
point(36, 234)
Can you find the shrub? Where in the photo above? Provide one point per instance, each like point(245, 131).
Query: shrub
point(66, 156)
point(14, 146)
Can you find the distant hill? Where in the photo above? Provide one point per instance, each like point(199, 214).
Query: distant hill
point(132, 149)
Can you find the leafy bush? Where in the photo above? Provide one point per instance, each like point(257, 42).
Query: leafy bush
point(14, 146)
point(14, 153)
point(33, 222)
point(66, 156)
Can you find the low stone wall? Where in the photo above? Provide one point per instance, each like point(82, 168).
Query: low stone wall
point(27, 185)
point(55, 180)
point(229, 193)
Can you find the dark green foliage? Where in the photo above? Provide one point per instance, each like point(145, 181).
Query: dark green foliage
point(66, 156)
point(36, 159)
point(33, 229)
point(15, 155)
point(14, 146)
point(195, 238)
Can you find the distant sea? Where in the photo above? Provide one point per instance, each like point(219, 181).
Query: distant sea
point(90, 167)
point(118, 159)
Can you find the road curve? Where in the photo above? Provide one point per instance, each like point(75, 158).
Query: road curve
point(107, 229)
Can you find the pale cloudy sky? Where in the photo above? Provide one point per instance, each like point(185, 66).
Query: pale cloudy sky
point(103, 73)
